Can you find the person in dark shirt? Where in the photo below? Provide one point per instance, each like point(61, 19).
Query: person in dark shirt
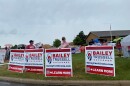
point(119, 48)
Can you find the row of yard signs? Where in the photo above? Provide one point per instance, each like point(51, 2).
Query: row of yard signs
point(58, 62)
point(26, 60)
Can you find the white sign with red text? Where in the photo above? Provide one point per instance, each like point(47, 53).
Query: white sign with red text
point(17, 60)
point(58, 63)
point(100, 60)
point(34, 60)
point(2, 55)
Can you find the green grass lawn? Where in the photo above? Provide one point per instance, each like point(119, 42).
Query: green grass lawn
point(122, 71)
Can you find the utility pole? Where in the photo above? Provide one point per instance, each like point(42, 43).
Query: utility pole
point(110, 33)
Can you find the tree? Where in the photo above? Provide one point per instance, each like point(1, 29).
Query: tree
point(56, 43)
point(14, 47)
point(77, 40)
point(80, 39)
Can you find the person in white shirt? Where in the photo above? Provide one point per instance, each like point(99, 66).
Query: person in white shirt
point(64, 44)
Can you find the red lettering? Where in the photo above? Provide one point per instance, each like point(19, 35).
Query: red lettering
point(102, 52)
point(94, 53)
point(68, 55)
point(53, 55)
point(98, 53)
point(39, 55)
point(65, 55)
point(57, 55)
point(110, 52)
point(18, 55)
point(35, 55)
point(61, 55)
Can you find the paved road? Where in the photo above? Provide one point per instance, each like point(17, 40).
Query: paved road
point(2, 83)
point(15, 84)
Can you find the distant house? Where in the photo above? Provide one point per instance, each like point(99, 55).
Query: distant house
point(107, 35)
point(46, 46)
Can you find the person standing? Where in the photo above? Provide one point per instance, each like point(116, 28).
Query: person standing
point(7, 54)
point(64, 44)
point(118, 46)
point(104, 42)
point(31, 45)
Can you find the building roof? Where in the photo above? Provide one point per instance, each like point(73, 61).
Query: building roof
point(114, 33)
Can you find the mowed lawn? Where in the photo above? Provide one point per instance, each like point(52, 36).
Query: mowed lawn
point(122, 71)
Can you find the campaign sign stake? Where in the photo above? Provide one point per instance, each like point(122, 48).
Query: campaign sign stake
point(100, 60)
point(34, 60)
point(17, 60)
point(58, 63)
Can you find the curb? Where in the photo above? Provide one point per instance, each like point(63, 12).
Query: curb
point(67, 82)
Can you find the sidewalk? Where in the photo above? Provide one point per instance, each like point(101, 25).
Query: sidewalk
point(68, 82)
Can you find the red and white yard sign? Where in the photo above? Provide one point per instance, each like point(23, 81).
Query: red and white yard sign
point(100, 60)
point(34, 59)
point(17, 60)
point(58, 63)
point(2, 55)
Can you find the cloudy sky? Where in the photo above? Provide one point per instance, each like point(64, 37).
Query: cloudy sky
point(45, 20)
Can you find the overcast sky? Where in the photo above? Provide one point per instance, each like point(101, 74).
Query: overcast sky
point(45, 20)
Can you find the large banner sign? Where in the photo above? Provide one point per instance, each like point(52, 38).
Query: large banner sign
point(58, 63)
point(100, 60)
point(17, 60)
point(34, 60)
point(2, 55)
point(28, 60)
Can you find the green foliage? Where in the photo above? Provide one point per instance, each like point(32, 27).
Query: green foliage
point(77, 41)
point(56, 43)
point(14, 47)
point(122, 71)
point(80, 39)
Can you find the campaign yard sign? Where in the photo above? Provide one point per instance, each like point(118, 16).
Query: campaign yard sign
point(100, 60)
point(34, 60)
point(2, 55)
point(17, 60)
point(58, 63)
